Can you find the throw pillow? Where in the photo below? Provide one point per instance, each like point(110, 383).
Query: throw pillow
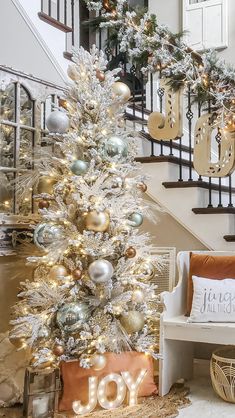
point(213, 300)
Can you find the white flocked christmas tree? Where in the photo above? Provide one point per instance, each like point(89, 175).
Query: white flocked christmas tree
point(92, 290)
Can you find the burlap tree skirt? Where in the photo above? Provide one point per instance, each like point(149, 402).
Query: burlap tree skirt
point(152, 407)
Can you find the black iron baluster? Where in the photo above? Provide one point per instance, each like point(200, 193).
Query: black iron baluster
point(161, 92)
point(72, 20)
point(41, 6)
point(230, 205)
point(65, 12)
point(133, 73)
point(49, 7)
point(100, 34)
point(199, 115)
point(180, 161)
point(58, 10)
point(189, 116)
point(218, 140)
point(210, 195)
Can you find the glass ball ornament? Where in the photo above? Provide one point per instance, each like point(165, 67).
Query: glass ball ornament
point(121, 91)
point(43, 204)
point(44, 332)
point(100, 271)
point(57, 122)
point(47, 234)
point(97, 221)
point(71, 316)
point(46, 184)
point(137, 296)
point(58, 350)
point(79, 167)
point(135, 219)
point(146, 270)
point(132, 321)
point(115, 146)
point(98, 362)
point(58, 272)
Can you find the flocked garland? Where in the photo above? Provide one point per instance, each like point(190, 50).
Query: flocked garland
point(155, 47)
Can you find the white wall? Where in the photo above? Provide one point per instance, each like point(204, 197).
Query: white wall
point(24, 48)
point(169, 13)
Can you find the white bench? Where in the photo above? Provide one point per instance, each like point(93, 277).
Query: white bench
point(177, 336)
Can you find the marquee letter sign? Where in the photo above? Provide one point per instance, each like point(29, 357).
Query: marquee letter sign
point(202, 149)
point(98, 392)
point(169, 125)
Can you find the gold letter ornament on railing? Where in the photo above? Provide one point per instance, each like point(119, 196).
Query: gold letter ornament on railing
point(169, 125)
point(202, 149)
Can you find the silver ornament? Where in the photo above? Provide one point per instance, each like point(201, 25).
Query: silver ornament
point(71, 316)
point(133, 321)
point(57, 122)
point(135, 219)
point(79, 167)
point(115, 146)
point(43, 332)
point(48, 234)
point(146, 270)
point(100, 271)
point(98, 362)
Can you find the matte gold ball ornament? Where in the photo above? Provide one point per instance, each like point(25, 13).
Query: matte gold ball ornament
point(132, 322)
point(46, 184)
point(130, 252)
point(58, 272)
point(77, 274)
point(98, 362)
point(121, 91)
point(100, 75)
point(97, 221)
point(58, 350)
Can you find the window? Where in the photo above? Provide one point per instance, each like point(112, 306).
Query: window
point(206, 23)
point(16, 145)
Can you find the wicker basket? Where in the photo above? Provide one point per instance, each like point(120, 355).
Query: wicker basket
point(222, 369)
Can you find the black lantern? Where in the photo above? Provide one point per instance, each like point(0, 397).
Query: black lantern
point(41, 393)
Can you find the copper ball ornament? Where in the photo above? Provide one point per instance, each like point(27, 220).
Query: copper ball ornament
point(100, 75)
point(43, 204)
point(130, 252)
point(121, 91)
point(58, 350)
point(142, 186)
point(46, 184)
point(97, 221)
point(58, 272)
point(98, 362)
point(132, 321)
point(77, 274)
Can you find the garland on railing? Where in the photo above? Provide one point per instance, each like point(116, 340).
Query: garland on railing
point(156, 48)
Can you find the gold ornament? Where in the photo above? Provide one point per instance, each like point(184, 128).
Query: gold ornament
point(58, 350)
point(121, 91)
point(77, 274)
point(146, 270)
point(43, 204)
point(142, 186)
point(98, 361)
point(137, 296)
point(100, 75)
point(130, 252)
point(97, 221)
point(17, 342)
point(58, 272)
point(45, 184)
point(133, 321)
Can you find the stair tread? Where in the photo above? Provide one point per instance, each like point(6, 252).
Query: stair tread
point(214, 210)
point(164, 158)
point(229, 238)
point(196, 183)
